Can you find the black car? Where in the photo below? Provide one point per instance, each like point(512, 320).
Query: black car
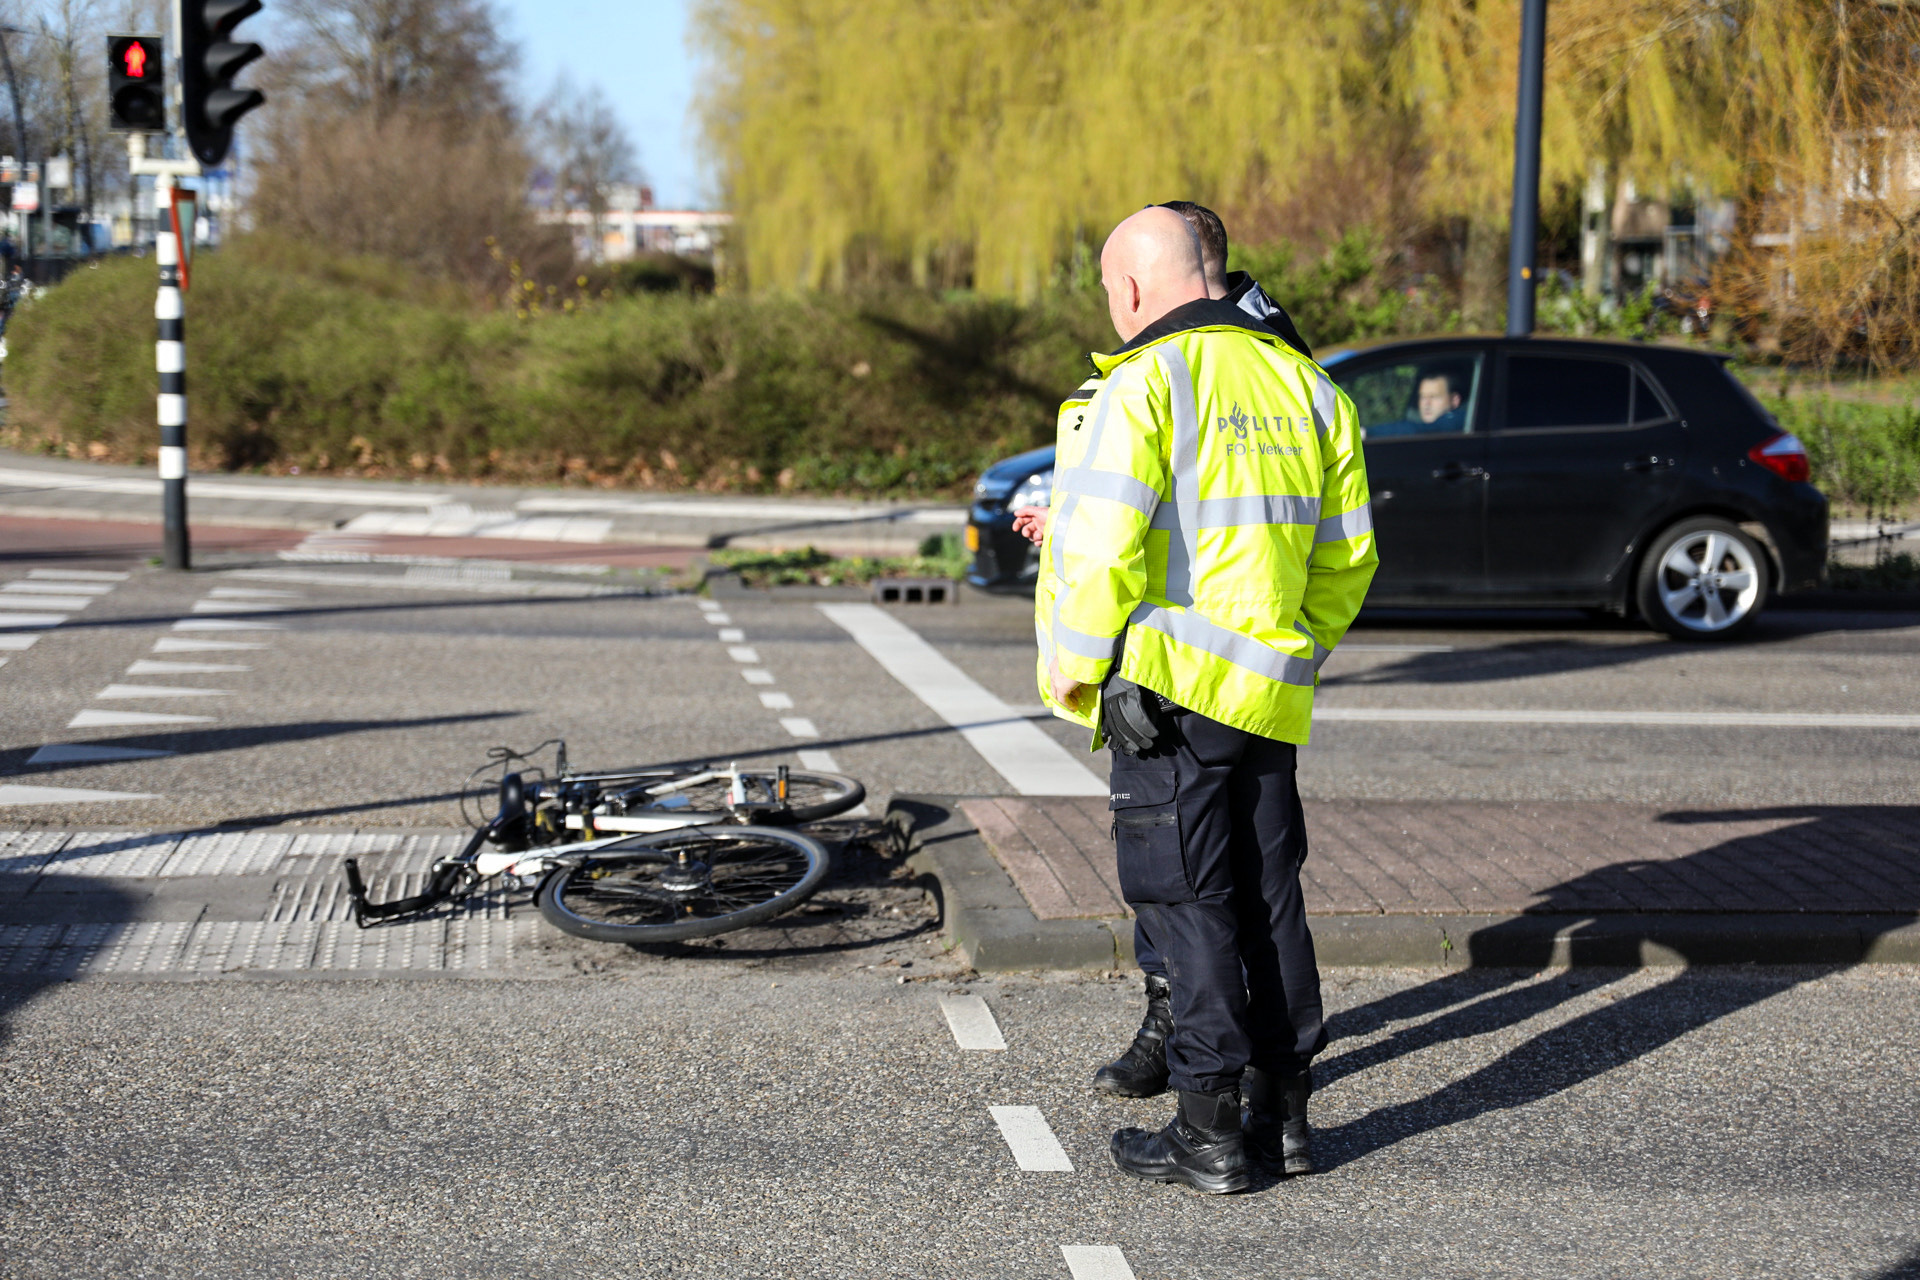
point(1630, 477)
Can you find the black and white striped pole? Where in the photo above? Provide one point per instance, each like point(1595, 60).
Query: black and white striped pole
point(170, 359)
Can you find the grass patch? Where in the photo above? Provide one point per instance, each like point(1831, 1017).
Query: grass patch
point(941, 556)
point(1892, 573)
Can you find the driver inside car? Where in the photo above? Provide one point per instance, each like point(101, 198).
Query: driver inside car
point(1436, 408)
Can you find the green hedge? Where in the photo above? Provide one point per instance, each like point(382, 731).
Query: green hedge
point(328, 368)
point(355, 368)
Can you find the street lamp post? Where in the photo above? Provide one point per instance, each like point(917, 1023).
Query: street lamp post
point(1526, 170)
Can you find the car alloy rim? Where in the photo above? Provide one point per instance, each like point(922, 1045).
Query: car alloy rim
point(1709, 581)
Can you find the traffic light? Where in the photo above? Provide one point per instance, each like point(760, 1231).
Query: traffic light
point(136, 84)
point(209, 60)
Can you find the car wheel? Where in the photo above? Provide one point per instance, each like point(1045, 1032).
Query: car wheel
point(1703, 579)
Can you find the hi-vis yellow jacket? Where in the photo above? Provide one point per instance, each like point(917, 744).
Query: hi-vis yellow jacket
point(1210, 525)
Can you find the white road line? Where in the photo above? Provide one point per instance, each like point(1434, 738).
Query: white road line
point(33, 621)
point(972, 1023)
point(78, 753)
point(16, 643)
point(148, 667)
point(224, 624)
point(21, 600)
point(776, 701)
point(1096, 1262)
point(252, 593)
point(1658, 719)
point(1021, 752)
point(10, 794)
point(1031, 1140)
point(741, 653)
point(77, 575)
point(104, 719)
point(235, 606)
point(757, 675)
point(178, 644)
point(159, 691)
point(717, 618)
point(707, 606)
point(732, 635)
point(799, 726)
point(45, 587)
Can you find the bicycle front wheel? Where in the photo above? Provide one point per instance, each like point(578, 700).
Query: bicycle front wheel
point(684, 884)
point(809, 797)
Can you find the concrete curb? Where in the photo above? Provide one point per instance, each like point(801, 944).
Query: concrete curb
point(994, 929)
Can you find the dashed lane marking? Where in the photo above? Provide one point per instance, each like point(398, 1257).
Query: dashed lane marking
point(41, 600)
point(224, 624)
point(732, 635)
point(1021, 752)
point(718, 619)
point(27, 586)
point(77, 575)
point(159, 691)
point(707, 606)
point(972, 1024)
point(79, 753)
point(148, 667)
point(14, 794)
point(744, 654)
point(91, 719)
point(799, 726)
point(33, 621)
point(757, 675)
point(1654, 719)
point(777, 701)
point(1031, 1140)
point(16, 643)
point(180, 644)
point(236, 606)
point(1096, 1262)
point(252, 593)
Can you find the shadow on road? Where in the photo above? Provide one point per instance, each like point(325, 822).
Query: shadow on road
point(1861, 845)
point(204, 741)
point(37, 910)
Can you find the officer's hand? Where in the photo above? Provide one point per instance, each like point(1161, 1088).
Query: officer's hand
point(1031, 523)
point(1066, 690)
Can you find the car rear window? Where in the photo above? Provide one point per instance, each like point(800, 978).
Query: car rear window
point(1557, 391)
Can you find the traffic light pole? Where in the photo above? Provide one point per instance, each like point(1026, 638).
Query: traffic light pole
point(1526, 171)
point(170, 353)
point(170, 359)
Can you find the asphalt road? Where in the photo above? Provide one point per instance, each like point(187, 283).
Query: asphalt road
point(782, 1104)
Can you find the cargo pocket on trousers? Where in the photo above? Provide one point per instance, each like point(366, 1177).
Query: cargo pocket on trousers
point(1146, 835)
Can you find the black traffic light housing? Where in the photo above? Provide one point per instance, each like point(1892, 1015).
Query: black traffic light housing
point(136, 84)
point(209, 60)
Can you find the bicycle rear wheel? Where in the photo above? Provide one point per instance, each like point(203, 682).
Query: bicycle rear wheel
point(810, 797)
point(684, 884)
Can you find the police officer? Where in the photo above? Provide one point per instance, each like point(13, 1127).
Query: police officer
point(1209, 543)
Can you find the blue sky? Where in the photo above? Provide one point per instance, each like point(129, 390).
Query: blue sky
point(636, 50)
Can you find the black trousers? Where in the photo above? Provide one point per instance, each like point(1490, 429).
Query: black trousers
point(1209, 836)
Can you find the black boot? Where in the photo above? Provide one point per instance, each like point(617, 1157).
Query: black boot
point(1141, 1072)
point(1277, 1134)
point(1202, 1147)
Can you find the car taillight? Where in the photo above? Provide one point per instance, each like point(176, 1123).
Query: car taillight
point(1785, 456)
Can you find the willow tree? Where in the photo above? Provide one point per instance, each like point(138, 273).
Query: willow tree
point(979, 140)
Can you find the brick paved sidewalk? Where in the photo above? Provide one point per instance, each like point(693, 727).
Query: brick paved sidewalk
point(1411, 858)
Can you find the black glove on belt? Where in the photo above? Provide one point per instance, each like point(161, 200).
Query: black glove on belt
point(1133, 720)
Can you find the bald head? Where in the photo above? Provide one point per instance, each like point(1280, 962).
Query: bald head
point(1151, 264)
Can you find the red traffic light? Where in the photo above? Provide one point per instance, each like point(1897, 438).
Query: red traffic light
point(135, 57)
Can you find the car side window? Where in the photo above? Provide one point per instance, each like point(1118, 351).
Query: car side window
point(1560, 392)
point(1415, 396)
point(1647, 404)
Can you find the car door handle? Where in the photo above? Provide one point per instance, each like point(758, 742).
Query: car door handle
point(1650, 463)
point(1458, 471)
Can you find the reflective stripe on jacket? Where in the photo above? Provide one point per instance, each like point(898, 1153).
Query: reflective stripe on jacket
point(1209, 511)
